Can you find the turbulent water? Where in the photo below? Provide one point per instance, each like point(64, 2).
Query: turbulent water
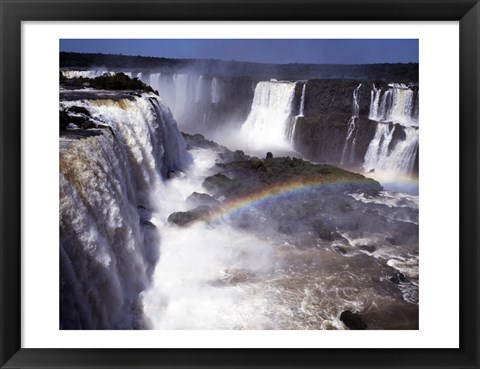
point(241, 272)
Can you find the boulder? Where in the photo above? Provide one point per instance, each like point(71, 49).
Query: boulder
point(367, 248)
point(217, 183)
point(185, 218)
point(340, 250)
point(353, 321)
point(196, 199)
point(399, 278)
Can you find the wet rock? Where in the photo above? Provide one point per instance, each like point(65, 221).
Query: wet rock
point(367, 248)
point(399, 278)
point(147, 224)
point(340, 250)
point(353, 321)
point(217, 183)
point(185, 218)
point(391, 240)
point(79, 110)
point(196, 199)
point(324, 230)
point(238, 155)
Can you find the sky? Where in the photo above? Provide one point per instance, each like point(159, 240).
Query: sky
point(279, 51)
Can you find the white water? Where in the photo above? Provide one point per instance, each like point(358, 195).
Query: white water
point(302, 101)
point(108, 190)
point(268, 123)
point(396, 105)
point(215, 91)
point(180, 91)
point(89, 73)
point(400, 159)
point(348, 154)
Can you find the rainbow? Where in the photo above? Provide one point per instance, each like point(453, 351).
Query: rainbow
point(271, 193)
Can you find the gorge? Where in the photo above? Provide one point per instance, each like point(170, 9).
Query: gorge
point(218, 202)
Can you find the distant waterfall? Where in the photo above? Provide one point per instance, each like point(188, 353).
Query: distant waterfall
point(398, 104)
point(391, 154)
point(302, 101)
point(199, 89)
point(215, 91)
point(293, 121)
point(374, 102)
point(394, 147)
point(180, 91)
point(90, 73)
point(269, 120)
point(109, 185)
point(348, 154)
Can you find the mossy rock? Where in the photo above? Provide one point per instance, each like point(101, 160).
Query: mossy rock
point(185, 218)
point(217, 183)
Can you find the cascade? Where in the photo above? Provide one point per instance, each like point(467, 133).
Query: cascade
point(394, 146)
point(374, 99)
point(293, 122)
point(398, 104)
point(385, 154)
point(180, 91)
point(302, 101)
point(348, 154)
point(109, 183)
point(199, 89)
point(90, 73)
point(269, 120)
point(215, 91)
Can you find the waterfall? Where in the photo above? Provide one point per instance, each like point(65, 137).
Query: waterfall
point(91, 73)
point(348, 154)
point(180, 91)
point(270, 116)
point(109, 184)
point(389, 154)
point(302, 101)
point(215, 91)
point(198, 89)
point(399, 104)
point(293, 122)
point(394, 147)
point(375, 98)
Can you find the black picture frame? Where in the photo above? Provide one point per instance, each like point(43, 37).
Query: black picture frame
point(12, 13)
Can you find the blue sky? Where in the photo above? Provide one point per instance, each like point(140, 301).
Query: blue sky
point(282, 51)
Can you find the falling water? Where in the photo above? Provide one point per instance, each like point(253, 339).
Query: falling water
point(302, 101)
point(348, 153)
point(270, 115)
point(397, 104)
point(108, 186)
point(215, 91)
point(385, 155)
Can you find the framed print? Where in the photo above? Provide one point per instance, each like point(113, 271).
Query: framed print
point(239, 184)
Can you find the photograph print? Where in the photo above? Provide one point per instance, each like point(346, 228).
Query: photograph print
point(239, 184)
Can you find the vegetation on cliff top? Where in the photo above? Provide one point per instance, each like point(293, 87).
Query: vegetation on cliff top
point(117, 81)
